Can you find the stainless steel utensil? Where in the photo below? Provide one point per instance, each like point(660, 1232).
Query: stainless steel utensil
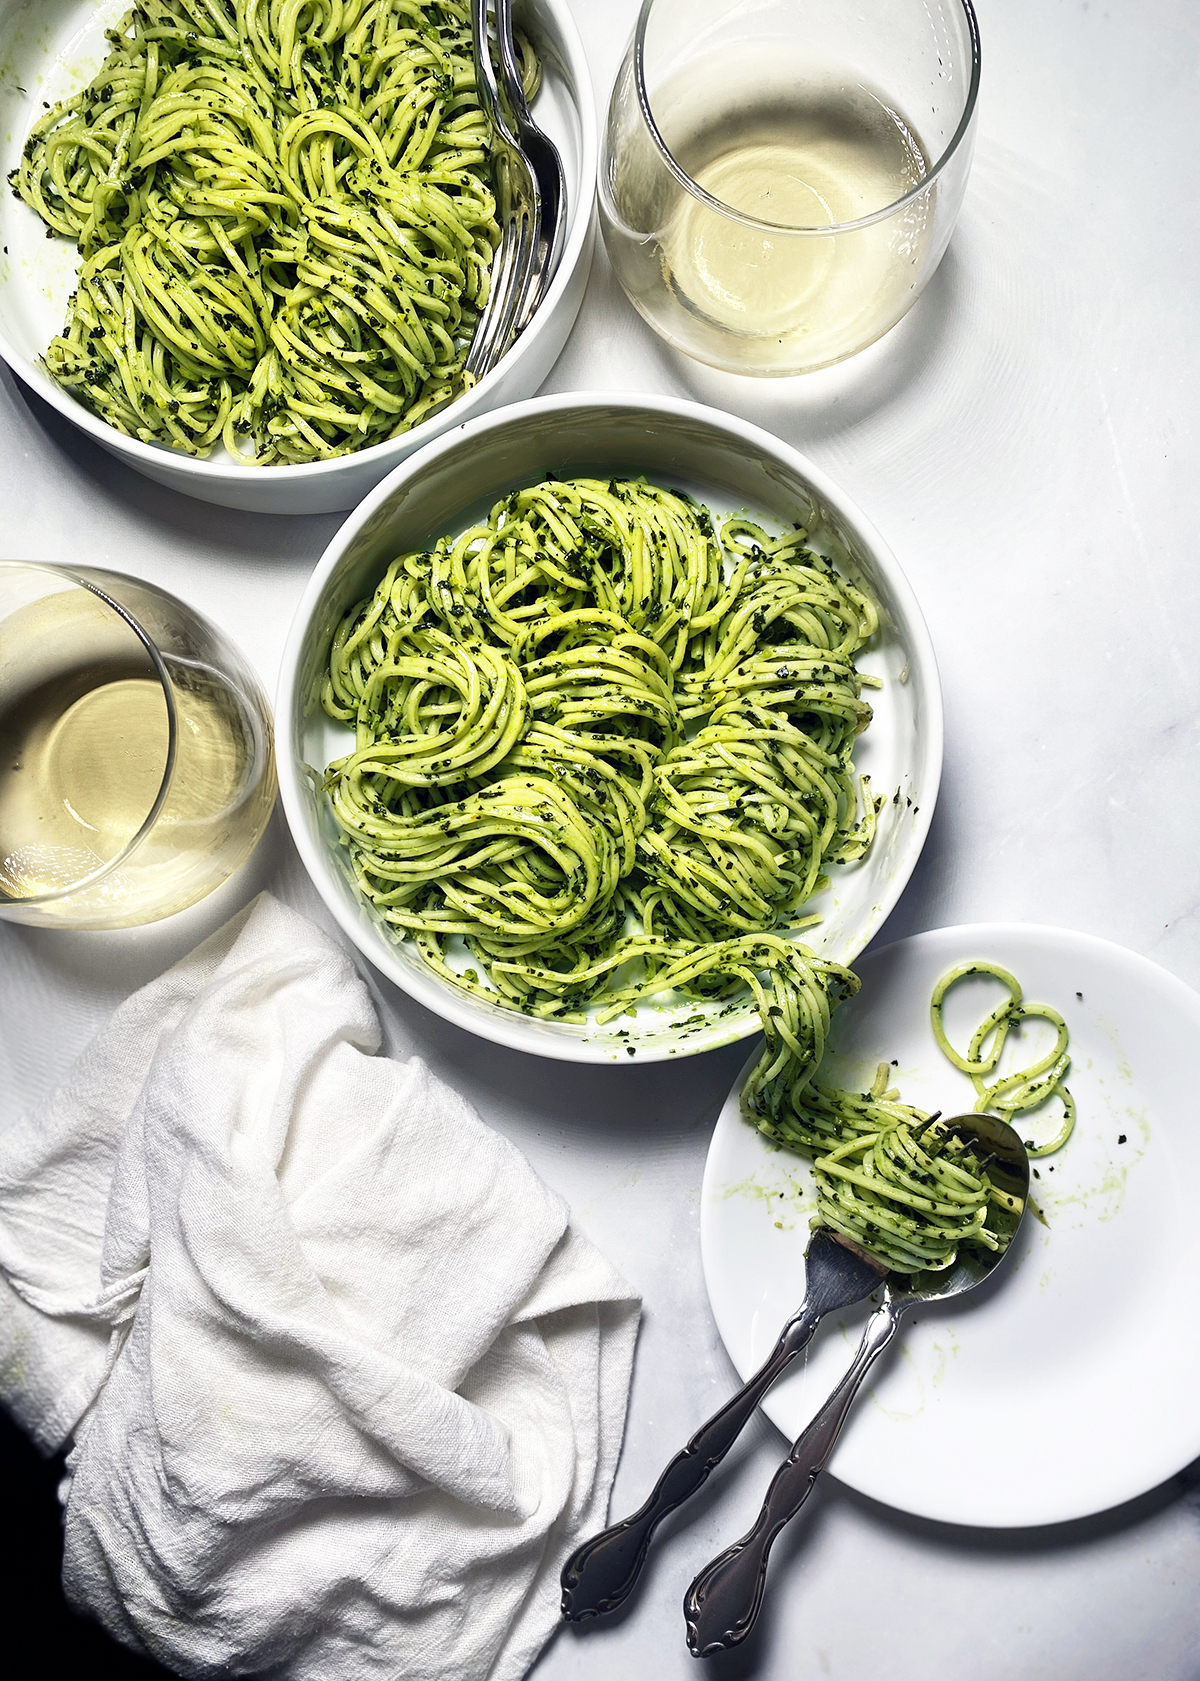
point(542, 156)
point(518, 210)
point(600, 1575)
point(530, 195)
point(722, 1604)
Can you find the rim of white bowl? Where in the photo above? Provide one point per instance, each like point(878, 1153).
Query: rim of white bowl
point(489, 1021)
point(219, 472)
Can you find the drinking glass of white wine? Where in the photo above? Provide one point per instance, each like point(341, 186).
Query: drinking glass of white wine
point(137, 768)
point(780, 178)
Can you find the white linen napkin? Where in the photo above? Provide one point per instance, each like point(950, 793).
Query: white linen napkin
point(344, 1383)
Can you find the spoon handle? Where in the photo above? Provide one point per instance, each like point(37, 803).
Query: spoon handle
point(722, 1604)
point(510, 70)
point(600, 1574)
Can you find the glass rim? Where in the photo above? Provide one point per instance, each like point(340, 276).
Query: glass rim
point(164, 679)
point(801, 229)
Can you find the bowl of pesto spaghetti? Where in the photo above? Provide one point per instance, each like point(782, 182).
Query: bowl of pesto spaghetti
point(611, 729)
point(245, 247)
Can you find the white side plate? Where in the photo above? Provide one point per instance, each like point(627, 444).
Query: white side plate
point(1068, 1383)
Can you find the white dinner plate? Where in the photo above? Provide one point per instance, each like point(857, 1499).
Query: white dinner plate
point(1071, 1381)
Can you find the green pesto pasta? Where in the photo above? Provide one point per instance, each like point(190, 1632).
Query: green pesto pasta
point(285, 219)
point(609, 751)
point(897, 1181)
point(1026, 1089)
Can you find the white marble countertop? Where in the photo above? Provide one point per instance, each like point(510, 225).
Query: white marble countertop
point(1026, 441)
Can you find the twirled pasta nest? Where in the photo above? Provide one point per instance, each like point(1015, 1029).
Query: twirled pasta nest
point(610, 752)
point(285, 217)
point(897, 1182)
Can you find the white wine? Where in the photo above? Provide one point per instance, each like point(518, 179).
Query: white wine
point(81, 764)
point(811, 149)
point(819, 164)
point(127, 790)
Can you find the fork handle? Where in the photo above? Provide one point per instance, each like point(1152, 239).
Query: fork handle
point(722, 1604)
point(600, 1575)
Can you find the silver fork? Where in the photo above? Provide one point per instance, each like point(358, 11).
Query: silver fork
point(518, 204)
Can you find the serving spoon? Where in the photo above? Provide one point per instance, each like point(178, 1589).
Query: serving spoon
point(722, 1604)
point(600, 1575)
point(530, 194)
point(544, 162)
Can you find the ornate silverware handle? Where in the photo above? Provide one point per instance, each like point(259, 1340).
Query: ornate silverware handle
point(722, 1604)
point(601, 1574)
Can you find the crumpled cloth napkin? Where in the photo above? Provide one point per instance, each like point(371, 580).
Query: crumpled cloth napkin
point(345, 1385)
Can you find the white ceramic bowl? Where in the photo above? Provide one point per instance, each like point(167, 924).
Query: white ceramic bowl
point(730, 466)
point(50, 49)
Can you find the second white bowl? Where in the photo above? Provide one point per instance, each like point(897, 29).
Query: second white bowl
point(724, 463)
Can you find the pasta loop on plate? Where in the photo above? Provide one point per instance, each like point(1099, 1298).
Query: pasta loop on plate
point(1028, 1088)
